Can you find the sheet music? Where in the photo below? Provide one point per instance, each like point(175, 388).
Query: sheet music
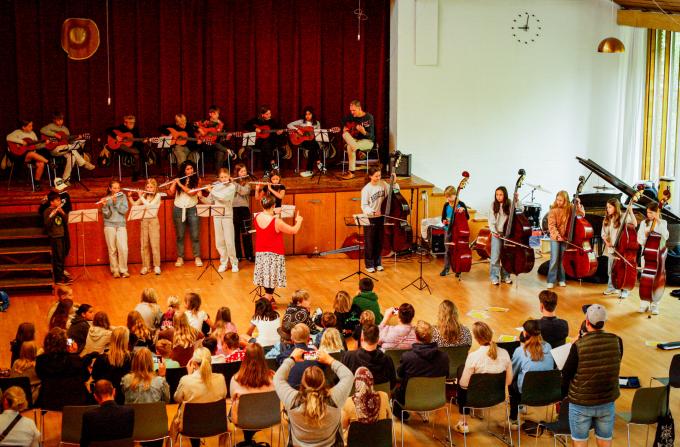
point(560, 355)
point(361, 219)
point(249, 138)
point(285, 211)
point(164, 142)
point(322, 135)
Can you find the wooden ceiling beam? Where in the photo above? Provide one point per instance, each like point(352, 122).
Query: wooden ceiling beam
point(653, 20)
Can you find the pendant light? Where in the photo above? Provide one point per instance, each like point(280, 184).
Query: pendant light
point(611, 44)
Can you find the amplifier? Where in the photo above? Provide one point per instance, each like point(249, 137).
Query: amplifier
point(404, 168)
point(436, 237)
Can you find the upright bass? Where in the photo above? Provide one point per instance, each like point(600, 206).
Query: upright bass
point(653, 277)
point(624, 269)
point(579, 260)
point(398, 236)
point(460, 255)
point(516, 254)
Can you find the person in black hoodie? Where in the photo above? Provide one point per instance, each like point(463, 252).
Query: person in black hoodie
point(80, 326)
point(423, 360)
point(62, 373)
point(368, 355)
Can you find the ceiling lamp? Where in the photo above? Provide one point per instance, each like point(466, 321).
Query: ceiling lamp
point(611, 45)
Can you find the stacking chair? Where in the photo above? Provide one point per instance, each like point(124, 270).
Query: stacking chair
point(539, 389)
point(116, 443)
point(648, 405)
point(378, 434)
point(151, 422)
point(258, 411)
point(25, 384)
point(395, 355)
point(204, 420)
point(227, 370)
point(485, 391)
point(509, 346)
point(673, 378)
point(172, 376)
point(72, 424)
point(457, 356)
point(426, 394)
point(18, 161)
point(375, 148)
point(272, 364)
point(561, 426)
point(384, 387)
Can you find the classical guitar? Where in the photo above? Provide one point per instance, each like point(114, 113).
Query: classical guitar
point(126, 139)
point(306, 133)
point(264, 131)
point(62, 139)
point(351, 127)
point(20, 149)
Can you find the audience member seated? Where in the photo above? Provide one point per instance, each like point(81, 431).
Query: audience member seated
point(114, 363)
point(423, 360)
point(142, 385)
point(140, 334)
point(62, 373)
point(532, 355)
point(366, 318)
point(149, 309)
point(63, 314)
point(80, 326)
point(366, 405)
point(109, 421)
point(488, 359)
point(24, 366)
point(198, 319)
point(254, 376)
point(314, 411)
point(98, 336)
point(23, 431)
point(553, 330)
point(285, 344)
point(200, 385)
point(223, 315)
point(300, 337)
point(63, 292)
point(326, 320)
point(210, 343)
point(367, 299)
point(298, 312)
point(331, 341)
point(449, 331)
point(267, 322)
point(168, 316)
point(164, 351)
point(25, 332)
point(232, 348)
point(369, 356)
point(346, 315)
point(183, 338)
point(402, 335)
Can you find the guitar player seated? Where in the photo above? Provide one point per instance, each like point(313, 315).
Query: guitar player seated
point(187, 150)
point(129, 141)
point(311, 145)
point(358, 133)
point(58, 132)
point(268, 132)
point(23, 149)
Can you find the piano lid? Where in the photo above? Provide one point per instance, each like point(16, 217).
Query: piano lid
point(624, 187)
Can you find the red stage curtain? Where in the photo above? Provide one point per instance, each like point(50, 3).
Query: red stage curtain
point(170, 56)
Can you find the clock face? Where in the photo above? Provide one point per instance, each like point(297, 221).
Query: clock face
point(526, 28)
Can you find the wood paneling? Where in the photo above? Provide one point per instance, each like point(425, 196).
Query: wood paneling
point(346, 204)
point(652, 20)
point(670, 6)
point(318, 228)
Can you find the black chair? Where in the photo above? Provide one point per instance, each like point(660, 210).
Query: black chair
point(673, 378)
point(172, 376)
point(378, 434)
point(151, 422)
point(509, 346)
point(539, 389)
point(22, 382)
point(204, 420)
point(561, 426)
point(18, 161)
point(272, 364)
point(116, 443)
point(227, 370)
point(457, 356)
point(72, 423)
point(485, 391)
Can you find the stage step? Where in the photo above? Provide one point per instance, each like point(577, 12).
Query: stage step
point(28, 250)
point(4, 268)
point(17, 220)
point(8, 234)
point(26, 283)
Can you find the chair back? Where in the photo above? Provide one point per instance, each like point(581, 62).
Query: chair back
point(151, 421)
point(485, 390)
point(72, 423)
point(337, 355)
point(395, 355)
point(377, 434)
point(561, 426)
point(509, 346)
point(257, 411)
point(648, 405)
point(227, 370)
point(457, 356)
point(172, 376)
point(272, 364)
point(116, 443)
point(22, 382)
point(674, 372)
point(542, 388)
point(384, 387)
point(205, 420)
point(425, 393)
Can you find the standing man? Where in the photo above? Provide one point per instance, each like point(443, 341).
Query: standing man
point(135, 149)
point(591, 374)
point(358, 133)
point(56, 129)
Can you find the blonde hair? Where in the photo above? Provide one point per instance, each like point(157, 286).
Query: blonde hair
point(201, 358)
point(484, 336)
point(447, 321)
point(16, 398)
point(331, 341)
point(533, 344)
point(299, 333)
point(184, 335)
point(343, 302)
point(149, 294)
point(137, 326)
point(565, 195)
point(142, 369)
point(366, 317)
point(62, 291)
point(299, 296)
point(180, 118)
point(118, 349)
point(313, 395)
point(173, 302)
point(27, 355)
point(450, 191)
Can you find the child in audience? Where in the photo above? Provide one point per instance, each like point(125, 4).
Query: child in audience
point(114, 209)
point(224, 314)
point(327, 320)
point(331, 341)
point(367, 317)
point(232, 348)
point(210, 343)
point(62, 291)
point(25, 332)
point(298, 311)
point(169, 314)
point(367, 299)
point(267, 322)
point(150, 238)
point(346, 315)
point(140, 334)
point(24, 366)
point(163, 352)
point(197, 317)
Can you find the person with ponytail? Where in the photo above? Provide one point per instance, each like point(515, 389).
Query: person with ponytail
point(533, 355)
point(200, 385)
point(488, 359)
point(315, 410)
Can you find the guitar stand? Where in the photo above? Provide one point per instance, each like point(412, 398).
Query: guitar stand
point(419, 283)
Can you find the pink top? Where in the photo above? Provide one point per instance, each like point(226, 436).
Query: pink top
point(268, 239)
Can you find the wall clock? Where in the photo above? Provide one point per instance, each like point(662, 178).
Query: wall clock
point(526, 28)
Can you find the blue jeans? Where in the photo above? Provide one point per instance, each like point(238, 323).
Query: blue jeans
point(180, 229)
point(496, 271)
point(556, 270)
point(582, 419)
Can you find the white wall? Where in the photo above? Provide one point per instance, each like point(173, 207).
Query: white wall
point(491, 105)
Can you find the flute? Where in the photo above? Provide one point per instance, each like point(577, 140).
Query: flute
point(191, 191)
point(104, 199)
point(56, 210)
point(162, 185)
point(142, 191)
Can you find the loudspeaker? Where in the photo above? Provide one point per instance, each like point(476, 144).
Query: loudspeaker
point(436, 237)
point(404, 168)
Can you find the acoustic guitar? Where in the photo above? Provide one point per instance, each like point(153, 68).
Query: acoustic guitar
point(126, 139)
point(62, 139)
point(351, 127)
point(306, 133)
point(19, 150)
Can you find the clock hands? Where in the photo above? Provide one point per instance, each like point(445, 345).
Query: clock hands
point(526, 25)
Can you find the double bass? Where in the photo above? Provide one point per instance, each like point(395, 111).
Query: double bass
point(516, 254)
point(579, 260)
point(653, 277)
point(398, 234)
point(624, 268)
point(458, 234)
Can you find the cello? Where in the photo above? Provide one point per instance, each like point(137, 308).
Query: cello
point(624, 268)
point(653, 277)
point(579, 260)
point(516, 254)
point(398, 234)
point(458, 234)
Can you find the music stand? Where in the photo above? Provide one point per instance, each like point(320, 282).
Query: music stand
point(322, 137)
point(210, 211)
point(249, 139)
point(360, 221)
point(164, 143)
point(81, 217)
point(284, 211)
point(419, 283)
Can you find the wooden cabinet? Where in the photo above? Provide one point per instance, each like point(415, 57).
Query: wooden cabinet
point(346, 204)
point(318, 227)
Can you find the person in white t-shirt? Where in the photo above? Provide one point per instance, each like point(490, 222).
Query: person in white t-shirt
point(267, 322)
point(653, 224)
point(193, 311)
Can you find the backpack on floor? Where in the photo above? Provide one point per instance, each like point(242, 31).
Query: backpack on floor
point(4, 301)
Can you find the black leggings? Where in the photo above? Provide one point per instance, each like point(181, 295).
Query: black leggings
point(373, 238)
point(241, 216)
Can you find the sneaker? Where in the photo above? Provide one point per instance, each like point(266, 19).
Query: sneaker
point(514, 425)
point(89, 166)
point(198, 262)
point(495, 282)
point(157, 270)
point(37, 186)
point(125, 275)
point(524, 409)
point(179, 262)
point(507, 280)
point(346, 176)
point(550, 285)
point(644, 307)
point(610, 291)
point(116, 275)
point(222, 268)
point(234, 267)
point(444, 272)
point(65, 280)
point(624, 294)
point(144, 271)
point(274, 166)
point(380, 268)
point(462, 428)
point(562, 284)
point(306, 174)
point(655, 308)
point(370, 270)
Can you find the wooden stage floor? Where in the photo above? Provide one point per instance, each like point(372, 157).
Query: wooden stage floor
point(321, 277)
